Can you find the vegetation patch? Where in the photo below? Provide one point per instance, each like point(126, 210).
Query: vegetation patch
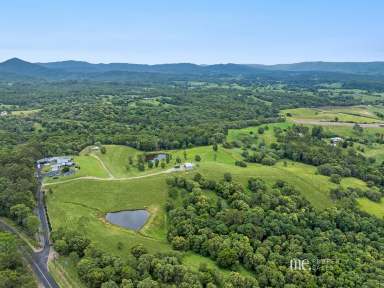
point(371, 207)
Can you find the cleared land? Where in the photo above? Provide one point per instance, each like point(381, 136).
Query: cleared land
point(352, 114)
point(25, 112)
point(374, 208)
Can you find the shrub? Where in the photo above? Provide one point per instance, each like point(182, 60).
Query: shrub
point(268, 160)
point(335, 178)
point(240, 163)
point(180, 243)
point(228, 177)
point(138, 250)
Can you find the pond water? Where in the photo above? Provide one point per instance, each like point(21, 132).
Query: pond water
point(131, 219)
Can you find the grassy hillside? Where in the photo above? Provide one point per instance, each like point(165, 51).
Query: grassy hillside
point(376, 209)
point(252, 132)
point(90, 200)
point(355, 114)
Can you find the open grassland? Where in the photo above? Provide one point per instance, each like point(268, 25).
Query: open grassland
point(22, 113)
point(354, 114)
point(116, 160)
point(373, 208)
point(345, 131)
point(90, 200)
point(376, 151)
point(252, 133)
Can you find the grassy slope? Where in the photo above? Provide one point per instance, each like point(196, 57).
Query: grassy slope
point(357, 114)
point(92, 199)
point(376, 209)
point(376, 151)
point(25, 112)
point(268, 136)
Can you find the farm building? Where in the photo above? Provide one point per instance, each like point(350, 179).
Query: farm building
point(336, 140)
point(56, 164)
point(188, 166)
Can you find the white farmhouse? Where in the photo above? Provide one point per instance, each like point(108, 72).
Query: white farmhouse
point(335, 140)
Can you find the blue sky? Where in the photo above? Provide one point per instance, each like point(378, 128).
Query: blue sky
point(198, 31)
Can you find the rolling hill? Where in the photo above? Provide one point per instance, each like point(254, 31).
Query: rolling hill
point(80, 69)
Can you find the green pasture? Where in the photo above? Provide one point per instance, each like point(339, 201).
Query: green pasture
point(355, 114)
point(373, 208)
point(252, 133)
point(90, 200)
point(25, 112)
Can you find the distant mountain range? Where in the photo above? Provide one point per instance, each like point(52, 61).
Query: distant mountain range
point(373, 68)
point(69, 69)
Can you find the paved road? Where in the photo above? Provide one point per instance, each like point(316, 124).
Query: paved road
point(38, 260)
point(42, 257)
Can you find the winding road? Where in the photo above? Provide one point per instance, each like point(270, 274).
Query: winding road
point(38, 260)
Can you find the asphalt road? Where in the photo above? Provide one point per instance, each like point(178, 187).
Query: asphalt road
point(38, 260)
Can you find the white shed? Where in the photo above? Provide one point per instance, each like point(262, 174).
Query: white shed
point(188, 166)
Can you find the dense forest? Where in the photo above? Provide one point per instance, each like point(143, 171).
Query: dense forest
point(18, 186)
point(13, 270)
point(99, 269)
point(263, 228)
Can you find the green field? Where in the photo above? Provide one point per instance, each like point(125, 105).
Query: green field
point(25, 112)
point(252, 133)
point(355, 114)
point(376, 151)
point(90, 200)
point(376, 209)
